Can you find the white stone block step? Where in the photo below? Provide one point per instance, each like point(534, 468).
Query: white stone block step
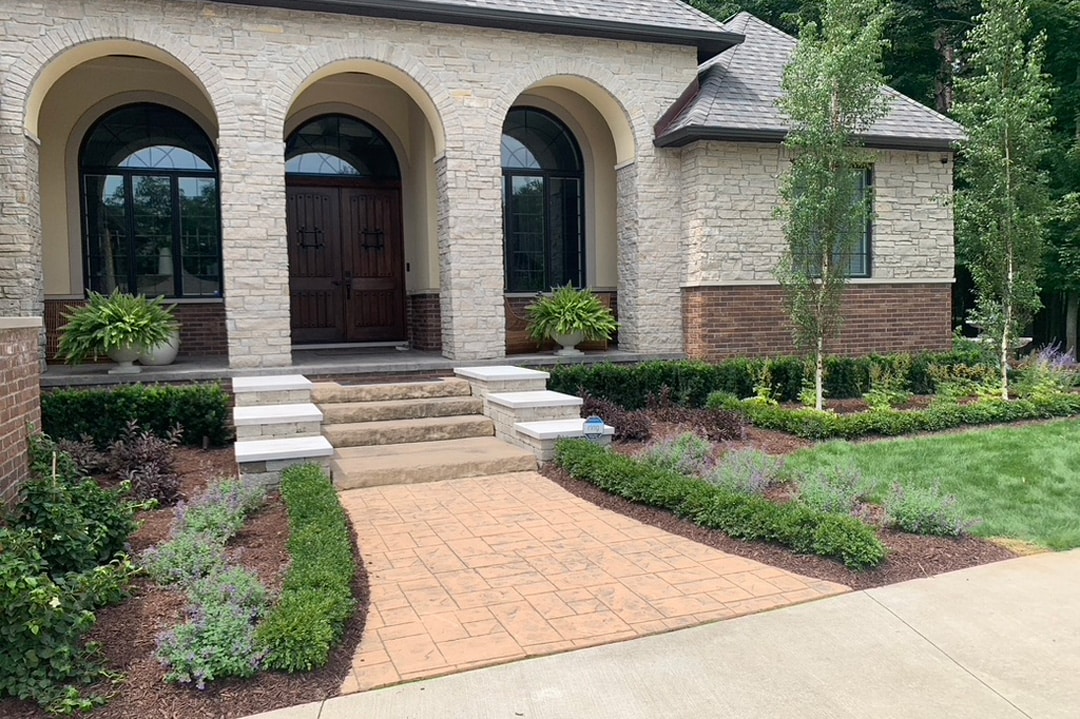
point(500, 373)
point(332, 392)
point(357, 467)
point(557, 429)
point(345, 412)
point(276, 414)
point(402, 431)
point(271, 383)
point(267, 450)
point(532, 399)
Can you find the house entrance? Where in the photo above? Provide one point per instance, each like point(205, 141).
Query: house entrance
point(346, 246)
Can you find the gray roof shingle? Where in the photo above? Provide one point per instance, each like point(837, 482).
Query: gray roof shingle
point(738, 91)
point(660, 21)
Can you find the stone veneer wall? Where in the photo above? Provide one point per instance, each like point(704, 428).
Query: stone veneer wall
point(20, 409)
point(750, 321)
point(253, 61)
point(202, 327)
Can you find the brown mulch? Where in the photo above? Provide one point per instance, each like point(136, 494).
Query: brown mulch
point(910, 556)
point(128, 632)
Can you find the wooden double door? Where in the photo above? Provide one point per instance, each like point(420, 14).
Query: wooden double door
point(346, 263)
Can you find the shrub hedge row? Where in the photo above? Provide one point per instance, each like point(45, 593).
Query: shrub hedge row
point(739, 516)
point(202, 411)
point(811, 424)
point(692, 382)
point(317, 599)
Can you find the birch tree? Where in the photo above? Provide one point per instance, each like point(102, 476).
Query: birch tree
point(831, 94)
point(1003, 204)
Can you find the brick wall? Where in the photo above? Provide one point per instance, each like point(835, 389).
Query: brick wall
point(750, 321)
point(424, 321)
point(202, 327)
point(20, 408)
point(517, 335)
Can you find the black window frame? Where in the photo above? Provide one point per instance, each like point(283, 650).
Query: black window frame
point(545, 175)
point(128, 175)
point(866, 240)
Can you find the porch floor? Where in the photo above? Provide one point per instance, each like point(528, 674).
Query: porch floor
point(357, 364)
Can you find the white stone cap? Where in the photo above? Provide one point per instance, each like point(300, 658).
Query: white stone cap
point(267, 450)
point(499, 373)
point(276, 414)
point(537, 398)
point(19, 323)
point(271, 383)
point(557, 428)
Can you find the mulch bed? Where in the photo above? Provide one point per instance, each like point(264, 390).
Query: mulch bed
point(128, 632)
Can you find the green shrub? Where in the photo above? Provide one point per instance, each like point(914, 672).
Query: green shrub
point(691, 382)
point(925, 510)
point(201, 411)
point(316, 603)
point(835, 489)
point(811, 424)
point(739, 516)
point(184, 558)
point(746, 472)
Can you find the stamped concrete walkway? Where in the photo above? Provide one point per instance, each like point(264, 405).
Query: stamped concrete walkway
point(473, 572)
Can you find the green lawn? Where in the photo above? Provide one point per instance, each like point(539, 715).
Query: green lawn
point(1023, 483)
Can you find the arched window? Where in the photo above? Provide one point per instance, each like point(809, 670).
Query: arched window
point(151, 209)
point(543, 202)
point(340, 146)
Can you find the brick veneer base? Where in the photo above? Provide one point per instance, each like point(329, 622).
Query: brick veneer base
point(517, 335)
point(20, 370)
point(424, 322)
point(750, 321)
point(202, 327)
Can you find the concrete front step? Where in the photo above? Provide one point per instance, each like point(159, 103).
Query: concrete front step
point(271, 390)
point(401, 409)
point(402, 431)
point(292, 448)
point(332, 392)
point(356, 467)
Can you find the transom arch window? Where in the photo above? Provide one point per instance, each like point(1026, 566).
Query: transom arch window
point(151, 210)
point(543, 202)
point(341, 146)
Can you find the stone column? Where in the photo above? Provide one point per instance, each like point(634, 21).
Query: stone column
point(21, 273)
point(256, 260)
point(650, 258)
point(470, 256)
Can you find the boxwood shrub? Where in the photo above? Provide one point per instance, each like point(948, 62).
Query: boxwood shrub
point(691, 382)
point(202, 411)
point(317, 598)
point(740, 516)
point(811, 424)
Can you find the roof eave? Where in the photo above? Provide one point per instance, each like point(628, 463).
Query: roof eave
point(708, 43)
point(686, 135)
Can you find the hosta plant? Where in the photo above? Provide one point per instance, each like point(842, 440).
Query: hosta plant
point(567, 311)
point(115, 322)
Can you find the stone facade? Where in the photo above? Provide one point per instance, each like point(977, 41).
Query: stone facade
point(21, 408)
point(696, 217)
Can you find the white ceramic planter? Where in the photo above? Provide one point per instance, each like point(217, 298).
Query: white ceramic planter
point(568, 342)
point(124, 357)
point(163, 354)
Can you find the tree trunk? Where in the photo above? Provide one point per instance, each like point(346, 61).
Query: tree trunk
point(819, 375)
point(1072, 316)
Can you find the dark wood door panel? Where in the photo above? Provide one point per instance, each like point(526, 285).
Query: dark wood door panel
point(316, 287)
point(375, 264)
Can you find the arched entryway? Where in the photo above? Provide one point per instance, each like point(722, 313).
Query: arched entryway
point(346, 244)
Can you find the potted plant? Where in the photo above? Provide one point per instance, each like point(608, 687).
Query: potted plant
point(118, 325)
point(568, 316)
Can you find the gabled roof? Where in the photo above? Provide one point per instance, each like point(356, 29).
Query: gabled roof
point(737, 93)
point(659, 21)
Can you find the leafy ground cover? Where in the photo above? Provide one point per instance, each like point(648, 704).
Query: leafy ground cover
point(1019, 482)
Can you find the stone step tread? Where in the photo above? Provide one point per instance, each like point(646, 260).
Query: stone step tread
point(557, 428)
point(265, 450)
point(532, 399)
point(500, 373)
point(271, 383)
point(335, 393)
point(395, 431)
point(404, 408)
point(276, 414)
point(356, 467)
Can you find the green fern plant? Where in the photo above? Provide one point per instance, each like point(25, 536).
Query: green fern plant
point(114, 321)
point(568, 310)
